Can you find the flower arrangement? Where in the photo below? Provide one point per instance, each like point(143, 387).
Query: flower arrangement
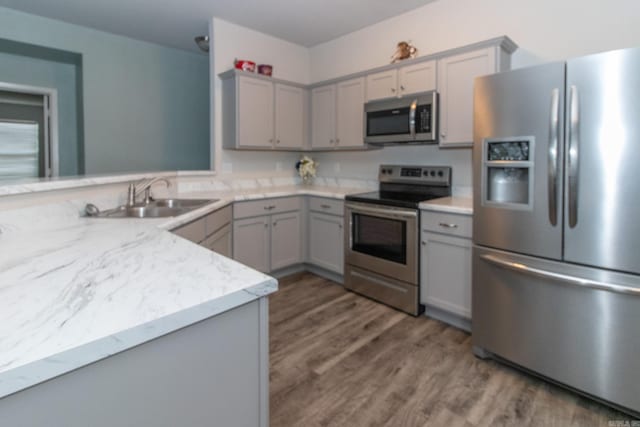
point(306, 168)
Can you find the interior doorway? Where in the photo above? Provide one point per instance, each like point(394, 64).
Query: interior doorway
point(28, 132)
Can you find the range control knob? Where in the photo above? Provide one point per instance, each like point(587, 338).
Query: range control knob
point(425, 173)
point(433, 173)
point(440, 173)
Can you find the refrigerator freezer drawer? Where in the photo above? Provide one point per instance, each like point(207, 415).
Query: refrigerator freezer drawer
point(575, 325)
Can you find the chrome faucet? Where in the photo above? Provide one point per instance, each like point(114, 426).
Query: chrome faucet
point(143, 185)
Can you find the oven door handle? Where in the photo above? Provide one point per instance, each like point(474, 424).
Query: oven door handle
point(387, 213)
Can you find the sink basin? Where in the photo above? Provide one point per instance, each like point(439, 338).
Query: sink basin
point(181, 203)
point(161, 208)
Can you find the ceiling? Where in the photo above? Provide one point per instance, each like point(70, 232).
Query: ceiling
point(175, 23)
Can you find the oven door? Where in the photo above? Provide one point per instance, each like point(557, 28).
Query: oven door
point(382, 239)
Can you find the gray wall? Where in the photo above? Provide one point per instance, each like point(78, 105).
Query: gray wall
point(146, 107)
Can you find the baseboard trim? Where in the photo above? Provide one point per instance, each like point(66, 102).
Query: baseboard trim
point(298, 268)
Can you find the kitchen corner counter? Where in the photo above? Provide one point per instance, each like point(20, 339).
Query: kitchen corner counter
point(83, 291)
point(456, 205)
point(78, 290)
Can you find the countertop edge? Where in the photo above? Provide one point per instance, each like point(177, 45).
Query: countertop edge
point(29, 375)
point(456, 205)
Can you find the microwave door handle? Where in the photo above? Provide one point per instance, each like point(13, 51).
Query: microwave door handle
point(412, 118)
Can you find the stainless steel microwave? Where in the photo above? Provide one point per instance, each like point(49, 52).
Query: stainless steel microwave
point(409, 120)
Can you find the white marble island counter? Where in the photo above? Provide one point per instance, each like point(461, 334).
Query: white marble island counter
point(75, 290)
point(82, 292)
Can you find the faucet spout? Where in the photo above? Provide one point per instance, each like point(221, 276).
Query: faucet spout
point(143, 185)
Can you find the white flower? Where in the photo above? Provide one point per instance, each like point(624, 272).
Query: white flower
point(307, 167)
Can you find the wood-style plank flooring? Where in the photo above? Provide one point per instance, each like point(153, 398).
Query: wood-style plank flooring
point(339, 359)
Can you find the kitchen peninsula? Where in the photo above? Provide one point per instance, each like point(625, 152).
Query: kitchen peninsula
point(118, 322)
point(122, 322)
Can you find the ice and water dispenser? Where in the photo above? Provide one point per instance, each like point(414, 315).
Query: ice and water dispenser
point(508, 172)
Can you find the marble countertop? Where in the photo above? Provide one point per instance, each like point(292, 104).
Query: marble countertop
point(457, 205)
point(84, 289)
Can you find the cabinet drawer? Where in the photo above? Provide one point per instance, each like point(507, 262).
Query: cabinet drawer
point(453, 224)
point(218, 219)
point(194, 231)
point(329, 206)
point(265, 207)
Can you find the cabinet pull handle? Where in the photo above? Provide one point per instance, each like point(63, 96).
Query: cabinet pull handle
point(277, 141)
point(325, 206)
point(444, 224)
point(424, 243)
point(393, 90)
point(266, 225)
point(401, 87)
point(268, 208)
point(275, 223)
point(337, 140)
point(443, 135)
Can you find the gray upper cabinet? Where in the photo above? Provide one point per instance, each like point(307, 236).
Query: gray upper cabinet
point(290, 116)
point(350, 109)
point(258, 113)
point(456, 74)
point(398, 82)
point(337, 115)
point(323, 117)
point(261, 113)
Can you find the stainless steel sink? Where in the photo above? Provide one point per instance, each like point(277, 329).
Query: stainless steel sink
point(180, 203)
point(161, 208)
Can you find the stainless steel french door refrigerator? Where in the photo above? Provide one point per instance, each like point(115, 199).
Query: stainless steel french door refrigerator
point(556, 258)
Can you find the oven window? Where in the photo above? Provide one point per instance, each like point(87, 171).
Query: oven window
point(380, 237)
point(388, 122)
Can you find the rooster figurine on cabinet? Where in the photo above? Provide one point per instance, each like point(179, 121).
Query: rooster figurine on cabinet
point(404, 51)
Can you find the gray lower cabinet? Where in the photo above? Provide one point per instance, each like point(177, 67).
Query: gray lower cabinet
point(326, 234)
point(212, 231)
point(445, 267)
point(271, 241)
point(212, 373)
point(251, 242)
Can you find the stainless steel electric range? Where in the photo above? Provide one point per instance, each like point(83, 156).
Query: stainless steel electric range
point(381, 234)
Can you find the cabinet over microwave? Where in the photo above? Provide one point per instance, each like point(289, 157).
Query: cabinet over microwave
point(409, 120)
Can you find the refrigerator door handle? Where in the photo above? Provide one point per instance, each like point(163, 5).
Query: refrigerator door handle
point(559, 277)
point(552, 166)
point(574, 142)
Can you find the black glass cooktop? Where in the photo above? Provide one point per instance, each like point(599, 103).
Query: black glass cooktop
point(393, 198)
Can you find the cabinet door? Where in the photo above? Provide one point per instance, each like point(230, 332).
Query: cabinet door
point(445, 278)
point(220, 241)
point(323, 116)
point(455, 85)
point(289, 116)
point(382, 85)
point(255, 113)
point(417, 78)
point(251, 242)
point(350, 107)
point(286, 244)
point(326, 241)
